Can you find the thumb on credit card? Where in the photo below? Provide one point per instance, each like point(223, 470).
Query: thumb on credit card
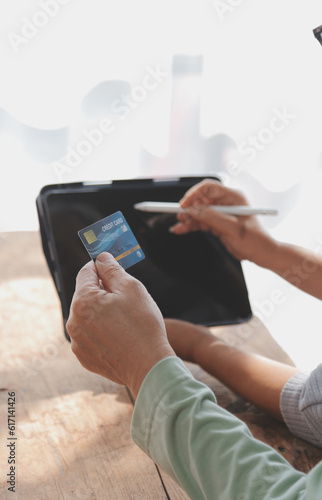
point(110, 272)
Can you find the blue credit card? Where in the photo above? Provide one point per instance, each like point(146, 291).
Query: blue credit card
point(112, 234)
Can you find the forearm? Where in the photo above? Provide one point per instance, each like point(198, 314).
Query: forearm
point(301, 267)
point(257, 379)
point(208, 451)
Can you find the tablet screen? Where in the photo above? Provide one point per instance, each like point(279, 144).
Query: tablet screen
point(191, 277)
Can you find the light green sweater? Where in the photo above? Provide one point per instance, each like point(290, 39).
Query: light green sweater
point(208, 451)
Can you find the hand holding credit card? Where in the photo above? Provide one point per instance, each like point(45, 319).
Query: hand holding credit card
point(112, 234)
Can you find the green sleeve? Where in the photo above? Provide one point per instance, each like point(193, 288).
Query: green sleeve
point(208, 451)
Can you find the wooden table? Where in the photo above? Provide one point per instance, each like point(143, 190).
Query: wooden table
point(73, 427)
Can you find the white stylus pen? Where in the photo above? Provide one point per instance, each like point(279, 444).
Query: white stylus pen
point(174, 208)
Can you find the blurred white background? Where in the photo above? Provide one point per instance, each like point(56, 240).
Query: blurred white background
point(258, 57)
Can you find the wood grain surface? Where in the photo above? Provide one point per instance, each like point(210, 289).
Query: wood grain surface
point(73, 427)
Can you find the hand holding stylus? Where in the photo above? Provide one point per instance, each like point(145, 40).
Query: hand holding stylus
point(242, 236)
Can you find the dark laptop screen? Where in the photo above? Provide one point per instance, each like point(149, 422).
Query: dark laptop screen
point(191, 277)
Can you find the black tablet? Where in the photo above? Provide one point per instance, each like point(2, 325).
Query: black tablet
point(191, 277)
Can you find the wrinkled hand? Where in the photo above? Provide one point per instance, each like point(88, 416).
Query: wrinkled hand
point(242, 235)
point(116, 328)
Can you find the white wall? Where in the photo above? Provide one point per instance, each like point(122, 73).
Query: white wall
point(259, 56)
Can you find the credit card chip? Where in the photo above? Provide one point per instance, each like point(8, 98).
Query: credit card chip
point(90, 236)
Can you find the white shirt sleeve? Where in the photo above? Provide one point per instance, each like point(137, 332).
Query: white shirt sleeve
point(301, 406)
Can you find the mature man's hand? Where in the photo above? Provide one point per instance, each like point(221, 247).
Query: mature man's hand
point(116, 328)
